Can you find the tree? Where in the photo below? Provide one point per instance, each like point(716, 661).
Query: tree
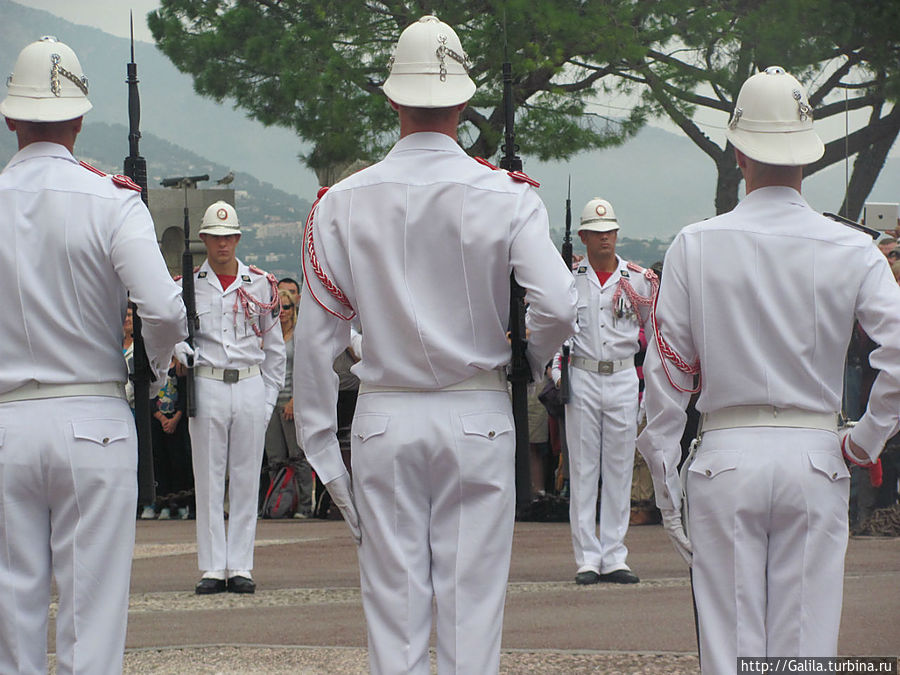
point(838, 47)
point(317, 67)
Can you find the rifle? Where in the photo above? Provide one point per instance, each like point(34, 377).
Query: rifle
point(136, 169)
point(519, 370)
point(187, 287)
point(564, 388)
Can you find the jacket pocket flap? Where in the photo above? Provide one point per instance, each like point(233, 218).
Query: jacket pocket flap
point(711, 464)
point(486, 424)
point(101, 432)
point(368, 425)
point(828, 464)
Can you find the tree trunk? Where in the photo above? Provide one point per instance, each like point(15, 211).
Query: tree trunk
point(728, 181)
point(866, 168)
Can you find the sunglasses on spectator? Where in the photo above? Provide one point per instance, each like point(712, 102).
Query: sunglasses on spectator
point(287, 307)
point(894, 254)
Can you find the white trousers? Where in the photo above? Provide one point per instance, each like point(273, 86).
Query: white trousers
point(768, 524)
point(601, 426)
point(227, 435)
point(433, 481)
point(68, 493)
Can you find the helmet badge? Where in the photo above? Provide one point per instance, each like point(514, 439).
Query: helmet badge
point(601, 210)
point(222, 214)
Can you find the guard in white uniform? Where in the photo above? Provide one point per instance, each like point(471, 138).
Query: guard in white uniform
point(760, 303)
point(420, 246)
point(614, 299)
point(238, 359)
point(74, 241)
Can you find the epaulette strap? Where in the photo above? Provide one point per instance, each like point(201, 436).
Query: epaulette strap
point(255, 269)
point(875, 234)
point(93, 169)
point(522, 177)
point(518, 176)
point(125, 182)
point(484, 162)
point(177, 277)
point(117, 179)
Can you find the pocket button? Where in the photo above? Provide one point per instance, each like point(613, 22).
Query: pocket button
point(492, 433)
point(106, 441)
point(708, 472)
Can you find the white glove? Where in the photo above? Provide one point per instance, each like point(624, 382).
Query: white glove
point(675, 529)
point(270, 408)
point(847, 448)
point(342, 494)
point(185, 354)
point(641, 413)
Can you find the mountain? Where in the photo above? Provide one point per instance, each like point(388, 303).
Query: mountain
point(170, 109)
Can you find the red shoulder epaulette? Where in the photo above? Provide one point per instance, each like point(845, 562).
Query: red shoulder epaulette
point(522, 177)
point(117, 179)
point(256, 270)
point(518, 176)
point(482, 160)
point(321, 192)
point(646, 271)
point(196, 269)
point(177, 277)
point(92, 168)
point(125, 182)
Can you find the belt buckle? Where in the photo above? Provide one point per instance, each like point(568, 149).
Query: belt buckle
point(231, 375)
point(605, 367)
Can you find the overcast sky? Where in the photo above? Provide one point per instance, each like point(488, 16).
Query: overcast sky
point(110, 16)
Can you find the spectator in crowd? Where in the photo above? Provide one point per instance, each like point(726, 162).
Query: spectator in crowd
point(432, 500)
point(238, 361)
point(760, 302)
point(172, 448)
point(886, 245)
point(281, 434)
point(76, 244)
point(614, 300)
point(292, 287)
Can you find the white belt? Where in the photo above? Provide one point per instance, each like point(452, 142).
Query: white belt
point(229, 375)
point(602, 367)
point(767, 416)
point(36, 390)
point(486, 380)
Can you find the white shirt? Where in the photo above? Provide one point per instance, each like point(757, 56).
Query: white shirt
point(227, 338)
point(608, 328)
point(72, 244)
point(423, 244)
point(765, 297)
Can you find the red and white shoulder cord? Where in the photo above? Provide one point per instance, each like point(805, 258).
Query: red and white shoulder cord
point(310, 253)
point(669, 354)
point(251, 305)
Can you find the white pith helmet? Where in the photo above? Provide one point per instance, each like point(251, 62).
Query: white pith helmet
point(598, 216)
point(220, 220)
point(47, 84)
point(773, 121)
point(429, 68)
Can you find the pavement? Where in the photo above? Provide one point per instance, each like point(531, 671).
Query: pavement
point(306, 617)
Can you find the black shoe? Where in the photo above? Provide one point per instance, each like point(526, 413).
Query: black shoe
point(585, 578)
point(241, 585)
point(210, 586)
point(620, 577)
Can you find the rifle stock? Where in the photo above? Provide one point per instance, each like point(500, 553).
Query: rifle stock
point(136, 169)
point(519, 370)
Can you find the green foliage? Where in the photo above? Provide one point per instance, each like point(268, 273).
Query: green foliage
point(708, 48)
point(317, 67)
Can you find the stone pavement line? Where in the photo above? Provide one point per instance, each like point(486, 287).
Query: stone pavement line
point(144, 551)
point(304, 660)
